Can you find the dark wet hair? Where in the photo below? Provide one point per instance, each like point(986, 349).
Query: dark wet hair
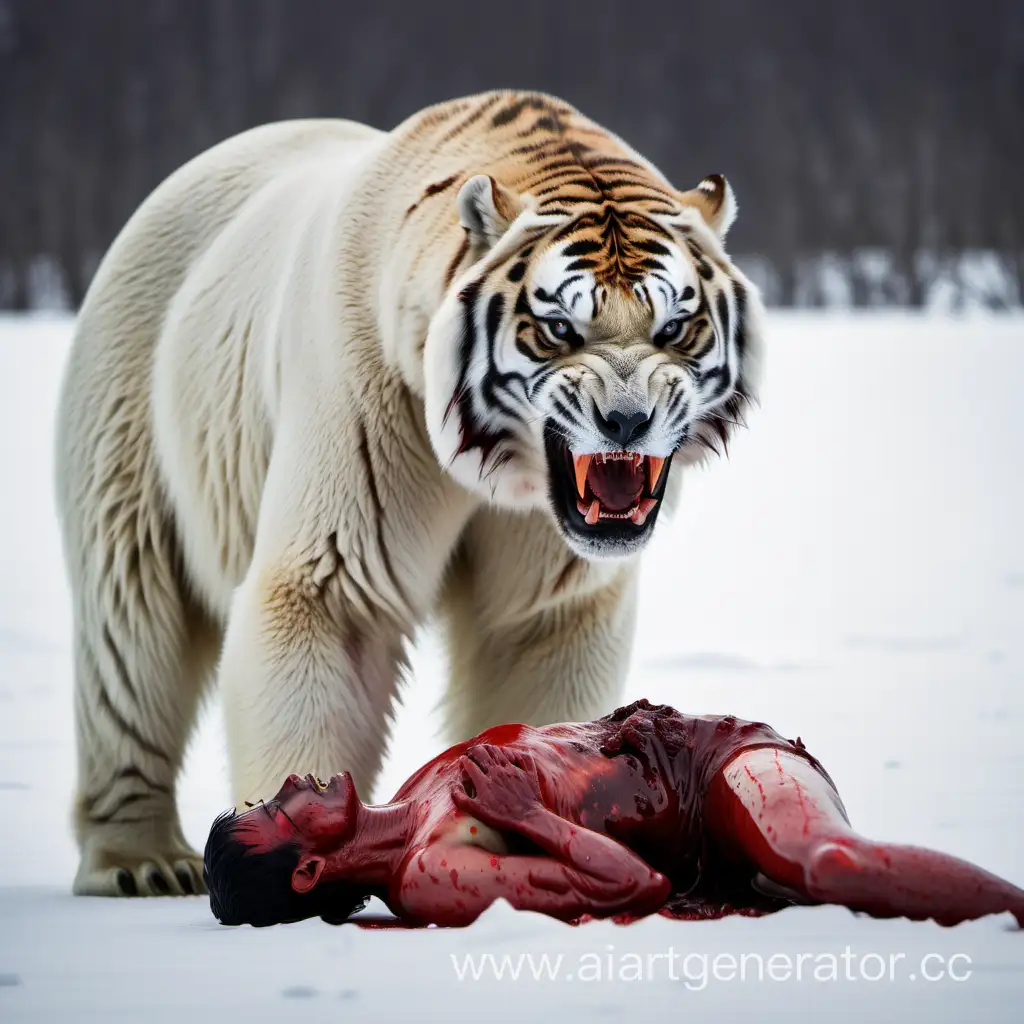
point(249, 887)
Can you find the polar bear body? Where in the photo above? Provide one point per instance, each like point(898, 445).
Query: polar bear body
point(249, 490)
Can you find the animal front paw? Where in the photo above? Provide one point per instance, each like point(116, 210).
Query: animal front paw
point(107, 872)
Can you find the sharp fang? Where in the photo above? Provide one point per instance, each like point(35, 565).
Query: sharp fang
point(643, 510)
point(582, 465)
point(594, 512)
point(656, 465)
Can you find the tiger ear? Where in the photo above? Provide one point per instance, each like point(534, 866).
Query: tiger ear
point(716, 201)
point(486, 208)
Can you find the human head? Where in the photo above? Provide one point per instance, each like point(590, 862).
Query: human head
point(266, 866)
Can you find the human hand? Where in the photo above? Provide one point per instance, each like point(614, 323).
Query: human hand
point(498, 786)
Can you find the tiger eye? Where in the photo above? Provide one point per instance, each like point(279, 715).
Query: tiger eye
point(670, 331)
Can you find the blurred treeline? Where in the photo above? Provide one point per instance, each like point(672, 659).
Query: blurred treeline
point(877, 149)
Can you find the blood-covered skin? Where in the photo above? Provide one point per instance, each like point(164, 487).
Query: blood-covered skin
point(770, 809)
point(339, 836)
point(322, 816)
point(645, 810)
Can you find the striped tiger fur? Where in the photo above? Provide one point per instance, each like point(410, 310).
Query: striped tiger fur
point(330, 382)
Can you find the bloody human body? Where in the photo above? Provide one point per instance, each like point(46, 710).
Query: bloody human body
point(642, 811)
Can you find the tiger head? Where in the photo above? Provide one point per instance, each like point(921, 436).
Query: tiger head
point(586, 348)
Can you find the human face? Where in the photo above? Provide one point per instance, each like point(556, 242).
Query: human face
point(317, 818)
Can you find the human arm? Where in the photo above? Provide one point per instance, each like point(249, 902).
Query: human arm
point(502, 788)
point(578, 872)
point(453, 883)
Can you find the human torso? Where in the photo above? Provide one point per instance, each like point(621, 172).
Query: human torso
point(638, 775)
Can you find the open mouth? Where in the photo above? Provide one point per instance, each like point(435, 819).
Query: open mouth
point(610, 494)
point(616, 485)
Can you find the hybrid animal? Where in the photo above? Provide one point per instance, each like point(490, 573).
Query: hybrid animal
point(330, 382)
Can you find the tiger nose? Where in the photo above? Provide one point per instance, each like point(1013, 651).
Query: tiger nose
point(622, 428)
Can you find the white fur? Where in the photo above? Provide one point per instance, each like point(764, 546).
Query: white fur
point(245, 474)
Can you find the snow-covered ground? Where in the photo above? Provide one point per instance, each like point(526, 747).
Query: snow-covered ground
point(853, 574)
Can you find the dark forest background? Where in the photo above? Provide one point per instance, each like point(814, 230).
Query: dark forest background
point(877, 149)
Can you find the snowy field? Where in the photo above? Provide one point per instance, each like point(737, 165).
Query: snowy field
point(854, 573)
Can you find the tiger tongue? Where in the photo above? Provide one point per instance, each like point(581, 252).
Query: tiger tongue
point(617, 483)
